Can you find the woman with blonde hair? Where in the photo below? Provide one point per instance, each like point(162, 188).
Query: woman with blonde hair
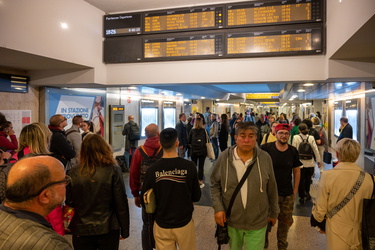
point(197, 142)
point(343, 226)
point(97, 194)
point(34, 139)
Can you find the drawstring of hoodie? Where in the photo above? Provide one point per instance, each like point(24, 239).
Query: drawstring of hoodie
point(260, 177)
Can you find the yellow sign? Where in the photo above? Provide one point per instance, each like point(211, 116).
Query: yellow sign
point(263, 96)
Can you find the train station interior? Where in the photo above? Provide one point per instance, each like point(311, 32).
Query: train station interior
point(61, 57)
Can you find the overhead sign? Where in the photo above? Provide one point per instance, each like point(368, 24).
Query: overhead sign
point(263, 96)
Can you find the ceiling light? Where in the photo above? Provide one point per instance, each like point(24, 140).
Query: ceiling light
point(178, 94)
point(308, 84)
point(202, 97)
point(132, 87)
point(301, 90)
point(64, 25)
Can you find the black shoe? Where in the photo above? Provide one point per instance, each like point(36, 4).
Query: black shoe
point(302, 201)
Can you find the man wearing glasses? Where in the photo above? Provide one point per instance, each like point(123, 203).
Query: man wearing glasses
point(35, 186)
point(60, 147)
point(286, 164)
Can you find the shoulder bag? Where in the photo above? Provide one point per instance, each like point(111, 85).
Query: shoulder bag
point(222, 232)
point(368, 221)
point(210, 149)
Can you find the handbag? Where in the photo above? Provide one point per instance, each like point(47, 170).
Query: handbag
point(341, 205)
point(210, 149)
point(368, 221)
point(327, 157)
point(222, 232)
point(150, 201)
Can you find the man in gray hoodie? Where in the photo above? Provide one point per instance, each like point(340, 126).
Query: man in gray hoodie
point(257, 202)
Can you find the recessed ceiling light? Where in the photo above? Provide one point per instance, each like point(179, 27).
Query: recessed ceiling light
point(132, 87)
point(178, 94)
point(202, 97)
point(308, 84)
point(301, 90)
point(64, 25)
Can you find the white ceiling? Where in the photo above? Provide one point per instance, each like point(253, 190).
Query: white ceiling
point(117, 6)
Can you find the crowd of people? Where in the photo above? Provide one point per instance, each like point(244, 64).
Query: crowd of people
point(273, 159)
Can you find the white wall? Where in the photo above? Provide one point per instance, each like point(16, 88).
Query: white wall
point(34, 27)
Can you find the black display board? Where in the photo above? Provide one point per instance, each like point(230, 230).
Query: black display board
point(244, 29)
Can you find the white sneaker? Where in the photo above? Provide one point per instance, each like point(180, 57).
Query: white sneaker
point(201, 185)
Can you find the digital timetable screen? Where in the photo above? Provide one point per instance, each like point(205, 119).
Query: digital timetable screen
point(186, 19)
point(257, 13)
point(278, 41)
point(122, 24)
point(189, 46)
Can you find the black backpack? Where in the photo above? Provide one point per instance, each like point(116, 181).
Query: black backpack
point(198, 141)
point(148, 160)
point(134, 132)
point(305, 150)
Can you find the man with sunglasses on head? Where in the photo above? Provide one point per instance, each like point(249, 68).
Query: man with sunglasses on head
point(286, 164)
point(60, 146)
point(35, 186)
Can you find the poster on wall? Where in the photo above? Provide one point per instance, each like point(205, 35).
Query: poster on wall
point(370, 122)
point(18, 118)
point(71, 103)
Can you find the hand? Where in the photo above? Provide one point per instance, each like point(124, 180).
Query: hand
point(6, 155)
point(220, 218)
point(322, 232)
point(121, 238)
point(137, 201)
point(11, 132)
point(273, 221)
point(319, 164)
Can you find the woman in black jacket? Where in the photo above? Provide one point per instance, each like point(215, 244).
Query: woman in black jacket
point(223, 132)
point(197, 142)
point(97, 193)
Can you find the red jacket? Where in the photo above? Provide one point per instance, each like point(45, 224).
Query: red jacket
point(150, 145)
point(9, 145)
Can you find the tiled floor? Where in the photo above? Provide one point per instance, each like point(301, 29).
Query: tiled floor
point(301, 235)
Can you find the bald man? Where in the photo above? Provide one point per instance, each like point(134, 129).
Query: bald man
point(143, 157)
point(35, 186)
point(130, 129)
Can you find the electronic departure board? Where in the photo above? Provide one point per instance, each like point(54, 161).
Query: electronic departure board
point(184, 19)
point(274, 12)
point(283, 41)
point(122, 25)
point(208, 45)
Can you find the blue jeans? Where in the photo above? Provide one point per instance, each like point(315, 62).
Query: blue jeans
point(215, 146)
point(128, 156)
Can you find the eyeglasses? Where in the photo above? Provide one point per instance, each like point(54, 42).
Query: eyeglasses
point(283, 133)
point(66, 181)
point(64, 119)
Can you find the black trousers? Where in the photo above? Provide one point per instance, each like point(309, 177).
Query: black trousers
point(305, 182)
point(148, 241)
point(199, 161)
point(108, 241)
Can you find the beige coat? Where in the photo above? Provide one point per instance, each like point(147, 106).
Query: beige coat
point(343, 229)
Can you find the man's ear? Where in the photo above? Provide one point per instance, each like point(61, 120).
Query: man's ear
point(45, 196)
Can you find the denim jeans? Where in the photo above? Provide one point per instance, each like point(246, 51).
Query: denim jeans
point(215, 146)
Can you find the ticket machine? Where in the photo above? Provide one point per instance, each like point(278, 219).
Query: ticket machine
point(117, 121)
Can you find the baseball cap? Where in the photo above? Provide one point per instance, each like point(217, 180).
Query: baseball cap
point(282, 126)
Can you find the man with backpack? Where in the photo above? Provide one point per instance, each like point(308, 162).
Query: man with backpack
point(286, 164)
point(73, 134)
point(174, 181)
point(143, 158)
point(307, 148)
point(133, 134)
